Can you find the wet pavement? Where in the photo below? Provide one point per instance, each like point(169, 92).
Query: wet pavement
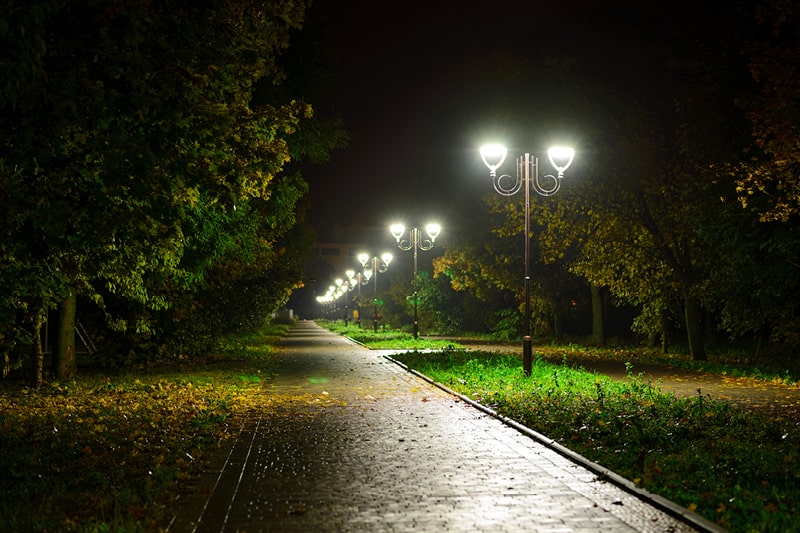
point(348, 441)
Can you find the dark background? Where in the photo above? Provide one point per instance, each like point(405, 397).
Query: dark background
point(417, 88)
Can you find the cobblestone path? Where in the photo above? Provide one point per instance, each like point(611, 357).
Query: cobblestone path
point(348, 441)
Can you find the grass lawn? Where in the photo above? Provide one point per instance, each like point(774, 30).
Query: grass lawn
point(385, 339)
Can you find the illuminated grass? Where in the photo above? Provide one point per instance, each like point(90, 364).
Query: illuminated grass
point(385, 339)
point(736, 468)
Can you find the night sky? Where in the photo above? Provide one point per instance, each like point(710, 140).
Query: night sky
point(415, 81)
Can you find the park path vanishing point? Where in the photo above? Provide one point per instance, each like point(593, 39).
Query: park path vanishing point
point(349, 441)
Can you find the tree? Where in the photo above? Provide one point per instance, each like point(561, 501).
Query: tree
point(652, 188)
point(490, 266)
point(129, 115)
point(770, 178)
point(755, 286)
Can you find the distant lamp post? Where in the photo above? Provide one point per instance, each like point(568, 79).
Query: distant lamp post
point(356, 279)
point(416, 242)
point(527, 177)
point(325, 302)
point(328, 301)
point(376, 265)
point(342, 287)
point(351, 277)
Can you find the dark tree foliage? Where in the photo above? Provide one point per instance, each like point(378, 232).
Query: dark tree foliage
point(138, 167)
point(648, 211)
point(769, 178)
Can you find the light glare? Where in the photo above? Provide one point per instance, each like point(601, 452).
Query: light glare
point(563, 155)
point(493, 155)
point(433, 230)
point(397, 230)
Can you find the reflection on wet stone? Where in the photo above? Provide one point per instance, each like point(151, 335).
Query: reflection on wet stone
point(347, 441)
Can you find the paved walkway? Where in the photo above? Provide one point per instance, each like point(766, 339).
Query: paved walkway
point(349, 441)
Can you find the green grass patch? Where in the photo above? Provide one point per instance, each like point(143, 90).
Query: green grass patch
point(108, 453)
point(735, 364)
point(733, 467)
point(385, 339)
point(731, 363)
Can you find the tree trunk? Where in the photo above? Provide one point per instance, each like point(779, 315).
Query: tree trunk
point(598, 318)
point(556, 325)
point(652, 339)
point(694, 329)
point(64, 365)
point(37, 356)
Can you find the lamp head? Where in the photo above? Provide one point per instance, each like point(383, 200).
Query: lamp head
point(363, 258)
point(397, 231)
point(386, 258)
point(433, 231)
point(493, 156)
point(561, 158)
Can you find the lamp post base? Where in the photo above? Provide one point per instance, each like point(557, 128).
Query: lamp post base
point(527, 356)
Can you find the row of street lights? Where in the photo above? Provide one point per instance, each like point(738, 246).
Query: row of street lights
point(377, 265)
point(372, 266)
point(527, 178)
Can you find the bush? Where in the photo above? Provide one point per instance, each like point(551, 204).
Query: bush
point(508, 325)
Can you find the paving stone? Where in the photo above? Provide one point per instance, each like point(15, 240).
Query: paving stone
point(349, 441)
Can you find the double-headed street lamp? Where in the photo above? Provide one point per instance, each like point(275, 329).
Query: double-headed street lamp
point(342, 288)
point(527, 176)
point(356, 280)
point(416, 242)
point(376, 265)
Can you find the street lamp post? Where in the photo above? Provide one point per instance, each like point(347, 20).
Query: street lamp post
point(330, 300)
point(527, 177)
point(342, 288)
point(356, 279)
point(415, 242)
point(376, 265)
